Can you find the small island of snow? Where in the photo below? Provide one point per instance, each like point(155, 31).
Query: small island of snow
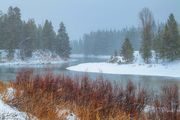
point(169, 69)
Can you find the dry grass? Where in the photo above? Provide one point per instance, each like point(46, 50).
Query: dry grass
point(3, 87)
point(47, 96)
point(99, 99)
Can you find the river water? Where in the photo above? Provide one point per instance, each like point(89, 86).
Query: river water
point(8, 73)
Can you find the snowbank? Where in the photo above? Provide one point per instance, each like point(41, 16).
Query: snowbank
point(170, 70)
point(9, 113)
point(39, 57)
point(67, 114)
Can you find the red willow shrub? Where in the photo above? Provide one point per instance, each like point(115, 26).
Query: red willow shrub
point(167, 104)
point(43, 95)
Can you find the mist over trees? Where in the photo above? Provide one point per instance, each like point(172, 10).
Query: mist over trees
point(26, 36)
point(162, 39)
point(105, 42)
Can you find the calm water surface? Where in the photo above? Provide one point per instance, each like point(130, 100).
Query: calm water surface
point(8, 73)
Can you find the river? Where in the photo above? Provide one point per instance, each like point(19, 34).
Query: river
point(8, 73)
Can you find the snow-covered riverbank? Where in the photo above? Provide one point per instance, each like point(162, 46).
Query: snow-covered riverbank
point(170, 70)
point(138, 67)
point(34, 62)
point(39, 57)
point(9, 113)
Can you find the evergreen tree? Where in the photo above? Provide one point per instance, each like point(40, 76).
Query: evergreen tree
point(13, 30)
point(171, 38)
point(39, 43)
point(127, 51)
point(174, 37)
point(62, 41)
point(147, 22)
point(48, 36)
point(28, 44)
point(165, 43)
point(158, 46)
point(2, 45)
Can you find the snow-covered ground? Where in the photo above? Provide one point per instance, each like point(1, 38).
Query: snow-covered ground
point(39, 57)
point(9, 113)
point(171, 69)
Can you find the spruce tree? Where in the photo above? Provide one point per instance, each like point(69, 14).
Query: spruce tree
point(127, 51)
point(13, 30)
point(62, 42)
point(28, 44)
point(171, 39)
point(39, 38)
point(48, 36)
point(166, 41)
point(2, 45)
point(158, 44)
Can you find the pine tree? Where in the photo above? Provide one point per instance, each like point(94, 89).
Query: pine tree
point(39, 43)
point(158, 44)
point(62, 42)
point(147, 22)
point(28, 44)
point(166, 41)
point(127, 51)
point(48, 36)
point(171, 39)
point(13, 30)
point(2, 45)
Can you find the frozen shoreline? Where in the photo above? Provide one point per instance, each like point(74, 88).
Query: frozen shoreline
point(33, 63)
point(39, 57)
point(167, 70)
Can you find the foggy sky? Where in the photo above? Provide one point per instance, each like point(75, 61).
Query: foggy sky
point(83, 16)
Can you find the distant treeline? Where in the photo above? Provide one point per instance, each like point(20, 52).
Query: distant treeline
point(163, 38)
point(105, 42)
point(27, 36)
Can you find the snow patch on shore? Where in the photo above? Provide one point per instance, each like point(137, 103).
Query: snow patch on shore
point(169, 70)
point(138, 67)
point(9, 113)
point(39, 57)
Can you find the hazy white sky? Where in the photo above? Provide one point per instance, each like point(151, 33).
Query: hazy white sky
point(83, 16)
